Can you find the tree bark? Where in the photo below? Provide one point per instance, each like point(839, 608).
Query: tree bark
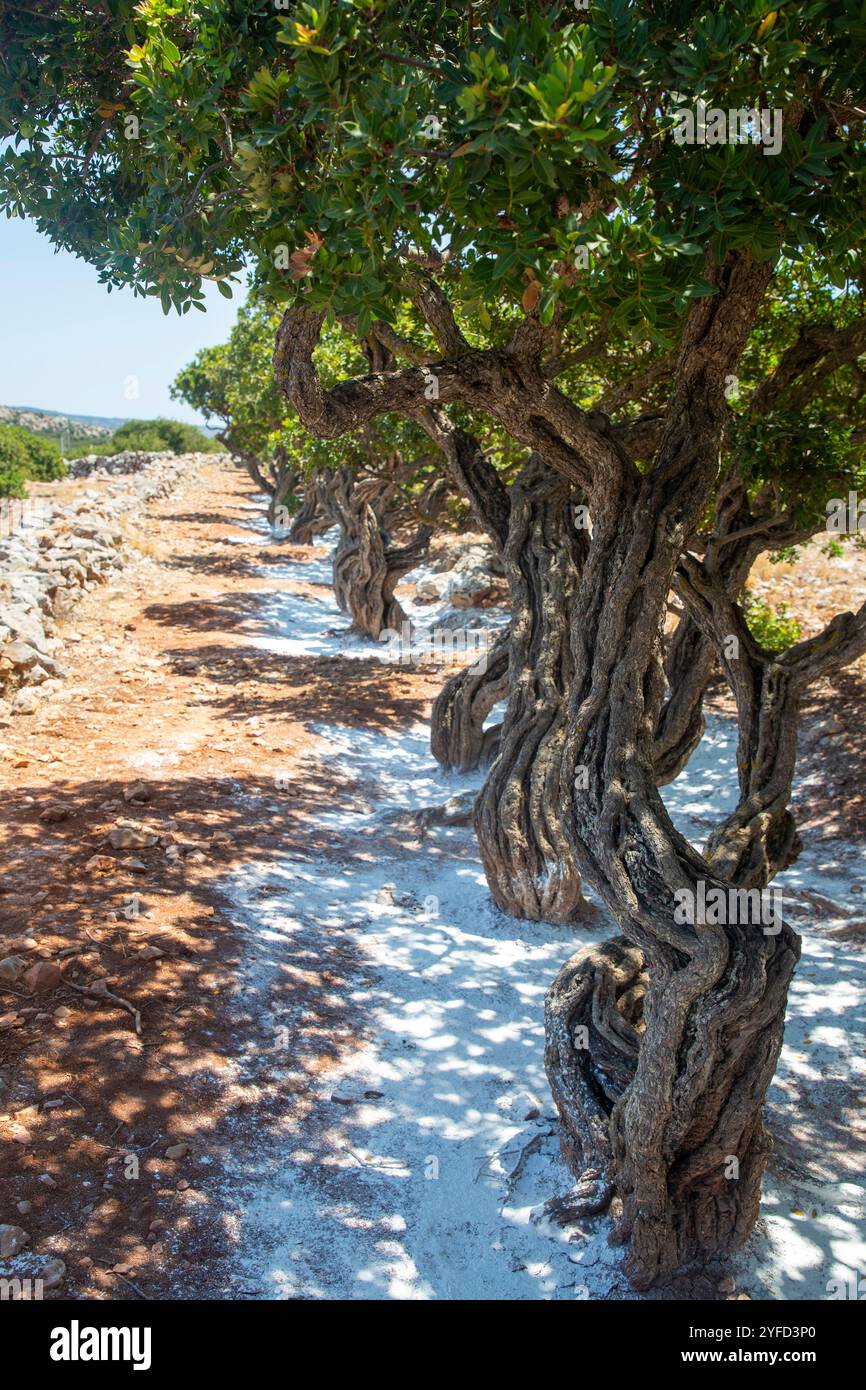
point(276, 478)
point(458, 740)
point(315, 514)
point(522, 809)
point(687, 1146)
point(367, 564)
point(713, 996)
point(284, 481)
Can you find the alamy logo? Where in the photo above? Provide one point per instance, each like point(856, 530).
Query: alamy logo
point(844, 517)
point(439, 644)
point(710, 906)
point(21, 1290)
point(710, 125)
point(77, 1343)
point(853, 1286)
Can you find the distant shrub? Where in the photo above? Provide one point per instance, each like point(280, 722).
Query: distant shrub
point(770, 626)
point(13, 462)
point(149, 437)
point(171, 436)
point(24, 455)
point(44, 459)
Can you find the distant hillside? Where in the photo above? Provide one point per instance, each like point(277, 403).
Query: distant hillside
point(67, 429)
point(56, 425)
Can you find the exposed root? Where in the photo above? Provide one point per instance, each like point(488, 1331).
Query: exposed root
point(101, 991)
point(593, 1021)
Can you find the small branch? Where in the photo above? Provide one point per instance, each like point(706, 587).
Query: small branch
point(104, 992)
point(97, 141)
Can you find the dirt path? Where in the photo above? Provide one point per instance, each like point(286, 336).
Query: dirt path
point(167, 691)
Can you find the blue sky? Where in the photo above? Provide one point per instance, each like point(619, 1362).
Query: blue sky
point(67, 344)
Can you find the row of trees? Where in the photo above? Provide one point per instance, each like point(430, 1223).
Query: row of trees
point(372, 484)
point(493, 207)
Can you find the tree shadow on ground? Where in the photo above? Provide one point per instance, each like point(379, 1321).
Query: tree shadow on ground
point(90, 1105)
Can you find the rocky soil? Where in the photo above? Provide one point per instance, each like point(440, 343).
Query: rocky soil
point(54, 549)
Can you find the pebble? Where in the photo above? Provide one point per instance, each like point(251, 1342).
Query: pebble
point(140, 792)
point(11, 969)
point(132, 837)
point(12, 1239)
point(101, 863)
point(43, 976)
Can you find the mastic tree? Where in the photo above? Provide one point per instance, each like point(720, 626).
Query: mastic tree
point(233, 384)
point(369, 483)
point(488, 195)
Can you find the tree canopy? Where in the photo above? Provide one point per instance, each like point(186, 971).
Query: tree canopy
point(336, 145)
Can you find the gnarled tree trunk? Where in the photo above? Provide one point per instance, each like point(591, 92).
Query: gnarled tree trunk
point(315, 514)
point(686, 1140)
point(368, 565)
point(522, 809)
point(683, 1142)
point(458, 740)
point(276, 478)
point(284, 481)
point(360, 567)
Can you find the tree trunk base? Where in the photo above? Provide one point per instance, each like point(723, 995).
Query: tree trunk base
point(592, 1026)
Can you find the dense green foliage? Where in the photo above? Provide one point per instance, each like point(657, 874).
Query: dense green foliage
point(529, 156)
point(24, 455)
point(346, 134)
point(772, 627)
point(150, 436)
point(13, 463)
